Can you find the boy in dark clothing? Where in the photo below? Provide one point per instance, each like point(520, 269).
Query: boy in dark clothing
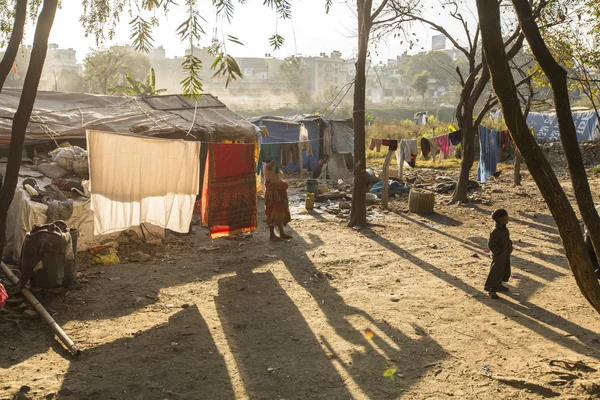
point(501, 247)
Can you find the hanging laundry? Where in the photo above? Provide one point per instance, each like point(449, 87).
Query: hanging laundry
point(455, 137)
point(375, 145)
point(306, 146)
point(488, 153)
point(391, 143)
point(425, 147)
point(505, 140)
point(443, 143)
point(138, 179)
point(407, 152)
point(433, 145)
point(269, 152)
point(290, 152)
point(229, 192)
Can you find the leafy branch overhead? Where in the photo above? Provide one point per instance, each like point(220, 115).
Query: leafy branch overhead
point(225, 65)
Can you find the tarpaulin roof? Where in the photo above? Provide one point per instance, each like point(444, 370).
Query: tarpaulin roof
point(58, 115)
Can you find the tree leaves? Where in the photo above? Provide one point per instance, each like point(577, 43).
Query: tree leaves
point(191, 27)
point(224, 7)
point(141, 34)
point(276, 41)
point(283, 7)
point(328, 5)
point(226, 65)
point(192, 85)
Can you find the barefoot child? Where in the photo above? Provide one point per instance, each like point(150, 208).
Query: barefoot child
point(276, 202)
point(501, 248)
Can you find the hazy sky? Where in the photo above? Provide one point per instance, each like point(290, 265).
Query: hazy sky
point(253, 24)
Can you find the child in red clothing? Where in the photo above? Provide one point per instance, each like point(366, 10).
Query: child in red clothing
point(276, 203)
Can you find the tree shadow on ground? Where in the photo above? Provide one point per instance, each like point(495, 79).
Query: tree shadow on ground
point(537, 269)
point(549, 228)
point(176, 360)
point(528, 312)
point(477, 245)
point(278, 353)
point(442, 219)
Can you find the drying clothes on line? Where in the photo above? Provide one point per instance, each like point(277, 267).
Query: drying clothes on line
point(391, 143)
point(407, 152)
point(425, 147)
point(229, 192)
point(455, 137)
point(375, 145)
point(488, 153)
point(408, 148)
point(269, 152)
point(137, 179)
point(306, 146)
point(290, 152)
point(443, 143)
point(505, 140)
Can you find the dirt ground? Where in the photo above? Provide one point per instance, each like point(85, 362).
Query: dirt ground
point(393, 311)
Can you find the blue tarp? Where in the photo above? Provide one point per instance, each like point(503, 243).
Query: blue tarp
point(285, 130)
point(545, 126)
point(281, 132)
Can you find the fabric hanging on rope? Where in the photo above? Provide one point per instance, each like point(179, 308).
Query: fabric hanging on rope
point(375, 145)
point(229, 193)
point(407, 152)
point(290, 152)
point(425, 147)
point(488, 153)
point(455, 137)
point(267, 153)
point(136, 180)
point(306, 146)
point(505, 140)
point(443, 143)
point(391, 143)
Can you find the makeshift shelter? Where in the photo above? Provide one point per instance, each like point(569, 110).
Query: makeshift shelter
point(58, 117)
point(332, 137)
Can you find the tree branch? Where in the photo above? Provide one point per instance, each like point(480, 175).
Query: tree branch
point(16, 37)
point(491, 102)
point(378, 11)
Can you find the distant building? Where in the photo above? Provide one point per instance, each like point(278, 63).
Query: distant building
point(57, 60)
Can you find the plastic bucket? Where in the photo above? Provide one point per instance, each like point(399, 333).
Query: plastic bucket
point(312, 186)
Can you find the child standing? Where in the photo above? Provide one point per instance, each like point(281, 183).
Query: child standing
point(276, 203)
point(501, 247)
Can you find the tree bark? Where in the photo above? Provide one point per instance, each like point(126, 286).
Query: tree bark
point(539, 167)
point(16, 36)
point(23, 113)
point(358, 215)
point(468, 157)
point(558, 79)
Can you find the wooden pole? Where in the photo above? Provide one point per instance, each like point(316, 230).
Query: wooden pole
point(386, 167)
point(42, 311)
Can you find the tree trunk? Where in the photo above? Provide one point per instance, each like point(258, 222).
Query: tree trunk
point(557, 76)
point(358, 215)
point(16, 36)
point(539, 167)
point(468, 157)
point(517, 168)
point(23, 113)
